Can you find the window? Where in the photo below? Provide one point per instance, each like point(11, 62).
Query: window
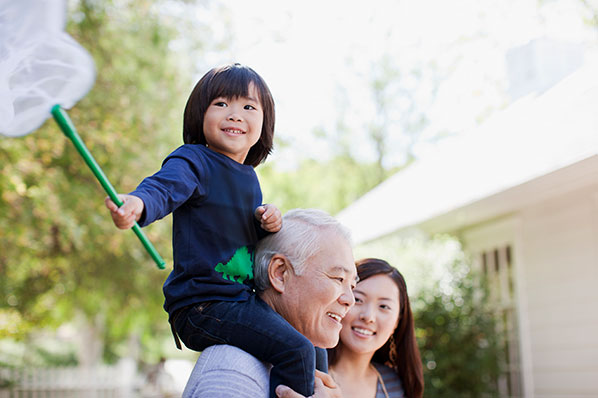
point(497, 267)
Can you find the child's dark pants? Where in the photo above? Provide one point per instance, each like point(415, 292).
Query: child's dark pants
point(256, 328)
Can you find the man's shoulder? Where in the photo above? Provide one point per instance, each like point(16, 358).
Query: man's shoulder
point(226, 357)
point(221, 368)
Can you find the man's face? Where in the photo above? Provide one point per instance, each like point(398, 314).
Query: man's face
point(316, 301)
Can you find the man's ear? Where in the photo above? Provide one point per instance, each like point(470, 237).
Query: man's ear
point(278, 272)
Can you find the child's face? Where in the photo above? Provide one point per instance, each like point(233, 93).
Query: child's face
point(233, 126)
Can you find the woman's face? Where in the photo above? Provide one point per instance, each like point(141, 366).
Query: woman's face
point(374, 317)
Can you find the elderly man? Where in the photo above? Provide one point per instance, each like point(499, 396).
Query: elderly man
point(306, 273)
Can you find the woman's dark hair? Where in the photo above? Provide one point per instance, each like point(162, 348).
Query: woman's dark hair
point(405, 360)
point(229, 81)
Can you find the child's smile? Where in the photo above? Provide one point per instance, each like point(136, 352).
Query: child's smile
point(234, 131)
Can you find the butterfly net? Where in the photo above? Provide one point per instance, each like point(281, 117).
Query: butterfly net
point(40, 65)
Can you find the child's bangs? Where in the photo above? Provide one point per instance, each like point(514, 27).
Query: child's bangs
point(232, 83)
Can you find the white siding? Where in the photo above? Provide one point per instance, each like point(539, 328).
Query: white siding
point(555, 250)
point(555, 245)
point(559, 252)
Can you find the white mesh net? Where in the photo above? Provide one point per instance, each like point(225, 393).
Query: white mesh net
point(40, 65)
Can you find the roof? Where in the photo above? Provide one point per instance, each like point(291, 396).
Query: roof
point(535, 136)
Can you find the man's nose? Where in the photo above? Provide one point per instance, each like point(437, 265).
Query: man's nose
point(347, 298)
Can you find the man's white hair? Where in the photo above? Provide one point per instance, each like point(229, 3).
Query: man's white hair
point(300, 237)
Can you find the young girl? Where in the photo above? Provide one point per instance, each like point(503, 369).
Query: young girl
point(210, 186)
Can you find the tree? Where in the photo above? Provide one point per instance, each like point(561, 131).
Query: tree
point(401, 94)
point(592, 10)
point(457, 334)
point(60, 256)
point(330, 185)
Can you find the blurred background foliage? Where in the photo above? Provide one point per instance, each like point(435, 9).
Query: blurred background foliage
point(68, 275)
point(457, 335)
point(61, 259)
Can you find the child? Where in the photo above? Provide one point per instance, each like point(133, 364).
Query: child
point(211, 188)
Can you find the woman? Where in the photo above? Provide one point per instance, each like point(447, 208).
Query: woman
point(377, 355)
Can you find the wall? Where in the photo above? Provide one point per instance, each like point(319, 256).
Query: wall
point(555, 254)
point(559, 254)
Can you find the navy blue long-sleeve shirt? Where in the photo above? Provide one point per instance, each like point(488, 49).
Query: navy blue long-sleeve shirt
point(213, 199)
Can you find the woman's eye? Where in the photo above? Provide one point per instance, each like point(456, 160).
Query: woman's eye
point(357, 300)
point(384, 307)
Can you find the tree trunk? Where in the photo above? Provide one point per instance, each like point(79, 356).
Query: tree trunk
point(90, 341)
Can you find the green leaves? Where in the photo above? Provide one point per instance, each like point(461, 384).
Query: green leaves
point(458, 339)
point(59, 251)
point(329, 185)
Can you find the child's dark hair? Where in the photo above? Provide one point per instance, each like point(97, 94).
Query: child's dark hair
point(229, 81)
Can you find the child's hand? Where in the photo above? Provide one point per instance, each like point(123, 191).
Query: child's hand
point(125, 216)
point(269, 217)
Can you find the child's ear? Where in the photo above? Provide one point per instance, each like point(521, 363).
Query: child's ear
point(278, 272)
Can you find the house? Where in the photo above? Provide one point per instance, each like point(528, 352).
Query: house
point(521, 193)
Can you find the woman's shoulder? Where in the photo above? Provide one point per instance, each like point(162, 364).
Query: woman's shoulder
point(385, 371)
point(391, 381)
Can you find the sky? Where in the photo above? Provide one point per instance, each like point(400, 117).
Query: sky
point(319, 59)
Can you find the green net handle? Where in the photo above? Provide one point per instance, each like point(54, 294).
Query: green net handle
point(67, 127)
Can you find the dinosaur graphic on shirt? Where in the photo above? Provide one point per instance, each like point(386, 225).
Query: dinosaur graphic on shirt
point(239, 267)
